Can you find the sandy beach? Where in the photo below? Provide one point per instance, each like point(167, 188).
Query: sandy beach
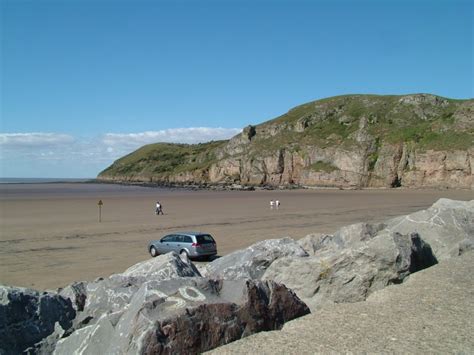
point(51, 235)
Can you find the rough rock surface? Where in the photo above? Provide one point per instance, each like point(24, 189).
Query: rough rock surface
point(358, 259)
point(351, 273)
point(361, 258)
point(27, 316)
point(113, 294)
point(254, 260)
point(448, 226)
point(187, 315)
point(344, 237)
point(431, 312)
point(161, 305)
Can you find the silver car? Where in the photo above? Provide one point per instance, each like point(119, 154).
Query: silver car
point(194, 244)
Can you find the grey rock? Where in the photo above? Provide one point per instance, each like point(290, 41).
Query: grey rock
point(349, 274)
point(430, 313)
point(361, 258)
point(314, 242)
point(47, 345)
point(164, 267)
point(187, 315)
point(77, 293)
point(448, 226)
point(463, 247)
point(346, 236)
point(254, 260)
point(27, 317)
point(113, 294)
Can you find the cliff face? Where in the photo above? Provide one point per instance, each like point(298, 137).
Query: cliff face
point(348, 141)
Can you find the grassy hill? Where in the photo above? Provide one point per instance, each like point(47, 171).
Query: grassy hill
point(366, 124)
point(163, 159)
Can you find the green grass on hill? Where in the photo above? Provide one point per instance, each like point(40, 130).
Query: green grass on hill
point(164, 158)
point(424, 121)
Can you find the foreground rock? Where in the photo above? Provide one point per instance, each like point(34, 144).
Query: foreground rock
point(187, 315)
point(254, 260)
point(350, 274)
point(358, 259)
point(448, 226)
point(113, 294)
point(161, 305)
point(27, 316)
point(362, 258)
point(431, 312)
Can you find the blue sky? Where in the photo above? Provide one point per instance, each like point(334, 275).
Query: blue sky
point(85, 82)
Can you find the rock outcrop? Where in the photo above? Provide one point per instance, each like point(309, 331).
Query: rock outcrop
point(27, 317)
point(350, 274)
point(429, 313)
point(253, 261)
point(349, 141)
point(188, 315)
point(161, 305)
point(448, 226)
point(359, 259)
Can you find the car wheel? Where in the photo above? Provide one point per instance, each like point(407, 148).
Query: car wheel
point(153, 252)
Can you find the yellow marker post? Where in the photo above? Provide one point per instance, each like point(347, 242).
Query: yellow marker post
point(100, 210)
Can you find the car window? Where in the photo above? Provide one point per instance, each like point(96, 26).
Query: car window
point(204, 239)
point(187, 239)
point(167, 238)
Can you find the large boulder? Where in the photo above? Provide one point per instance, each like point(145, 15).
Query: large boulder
point(448, 226)
point(187, 315)
point(254, 260)
point(27, 316)
point(113, 294)
point(336, 275)
point(164, 303)
point(163, 267)
point(314, 244)
point(361, 258)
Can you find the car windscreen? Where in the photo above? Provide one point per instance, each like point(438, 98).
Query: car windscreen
point(204, 239)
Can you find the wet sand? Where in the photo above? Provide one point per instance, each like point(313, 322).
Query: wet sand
point(50, 234)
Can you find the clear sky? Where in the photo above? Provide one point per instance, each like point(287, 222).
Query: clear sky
point(85, 81)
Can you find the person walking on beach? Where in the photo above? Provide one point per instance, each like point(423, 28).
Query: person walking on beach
point(272, 204)
point(277, 204)
point(159, 208)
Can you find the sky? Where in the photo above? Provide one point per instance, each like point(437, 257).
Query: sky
point(84, 82)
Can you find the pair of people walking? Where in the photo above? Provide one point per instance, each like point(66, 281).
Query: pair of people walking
point(274, 204)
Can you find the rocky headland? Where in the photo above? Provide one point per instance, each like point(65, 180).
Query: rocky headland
point(359, 278)
point(352, 141)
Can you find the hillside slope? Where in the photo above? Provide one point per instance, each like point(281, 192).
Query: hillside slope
point(414, 141)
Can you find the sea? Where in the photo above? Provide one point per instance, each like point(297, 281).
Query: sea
point(44, 188)
point(43, 180)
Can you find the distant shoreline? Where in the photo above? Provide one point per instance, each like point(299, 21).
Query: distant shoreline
point(243, 187)
point(46, 180)
point(197, 186)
